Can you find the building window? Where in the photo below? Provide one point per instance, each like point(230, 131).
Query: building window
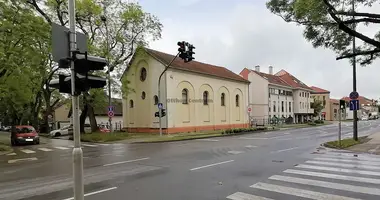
point(143, 95)
point(205, 98)
point(131, 103)
point(282, 106)
point(324, 101)
point(237, 100)
point(155, 98)
point(185, 96)
point(307, 95)
point(222, 99)
point(269, 108)
point(274, 106)
point(300, 94)
point(143, 74)
point(290, 106)
point(300, 105)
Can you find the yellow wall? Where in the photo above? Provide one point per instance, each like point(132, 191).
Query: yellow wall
point(327, 105)
point(178, 114)
point(60, 114)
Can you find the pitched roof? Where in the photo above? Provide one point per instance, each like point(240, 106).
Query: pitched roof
point(195, 66)
point(271, 78)
point(362, 100)
point(336, 101)
point(318, 90)
point(291, 80)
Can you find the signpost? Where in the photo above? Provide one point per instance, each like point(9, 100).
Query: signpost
point(340, 127)
point(354, 95)
point(111, 114)
point(160, 106)
point(354, 104)
point(249, 110)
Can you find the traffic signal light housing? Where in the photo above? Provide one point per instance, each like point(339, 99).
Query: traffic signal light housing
point(186, 51)
point(163, 112)
point(190, 53)
point(342, 104)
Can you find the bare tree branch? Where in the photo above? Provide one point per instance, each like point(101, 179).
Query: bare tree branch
point(360, 53)
point(39, 10)
point(357, 14)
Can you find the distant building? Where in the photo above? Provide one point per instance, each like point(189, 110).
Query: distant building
point(366, 106)
point(197, 96)
point(334, 110)
point(322, 95)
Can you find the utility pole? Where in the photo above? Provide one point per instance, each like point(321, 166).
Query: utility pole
point(355, 125)
point(77, 150)
point(340, 127)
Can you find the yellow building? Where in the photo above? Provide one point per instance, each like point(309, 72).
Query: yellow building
point(323, 96)
point(196, 96)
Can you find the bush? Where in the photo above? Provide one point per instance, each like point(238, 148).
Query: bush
point(319, 121)
point(312, 123)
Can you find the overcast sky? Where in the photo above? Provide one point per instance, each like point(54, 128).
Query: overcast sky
point(243, 33)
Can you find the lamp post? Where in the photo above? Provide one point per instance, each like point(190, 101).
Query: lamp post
point(104, 20)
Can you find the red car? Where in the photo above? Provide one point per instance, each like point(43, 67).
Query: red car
point(24, 134)
point(104, 130)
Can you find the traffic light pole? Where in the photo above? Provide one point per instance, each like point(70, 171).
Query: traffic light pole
point(77, 150)
point(355, 125)
point(159, 92)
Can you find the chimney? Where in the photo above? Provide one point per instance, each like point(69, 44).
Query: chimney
point(257, 68)
point(270, 70)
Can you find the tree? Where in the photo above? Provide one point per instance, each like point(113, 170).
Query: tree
point(317, 105)
point(330, 24)
point(125, 27)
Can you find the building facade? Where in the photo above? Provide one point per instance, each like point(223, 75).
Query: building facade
point(366, 107)
point(271, 95)
point(323, 96)
point(195, 95)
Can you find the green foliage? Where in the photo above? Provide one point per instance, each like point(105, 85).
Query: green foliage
point(312, 123)
point(317, 105)
point(319, 121)
point(345, 143)
point(319, 28)
point(242, 130)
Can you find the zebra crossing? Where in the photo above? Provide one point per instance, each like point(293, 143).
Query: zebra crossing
point(33, 149)
point(331, 176)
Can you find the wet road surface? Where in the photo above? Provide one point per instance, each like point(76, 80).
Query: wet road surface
point(274, 165)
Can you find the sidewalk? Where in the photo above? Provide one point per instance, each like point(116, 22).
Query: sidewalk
point(372, 146)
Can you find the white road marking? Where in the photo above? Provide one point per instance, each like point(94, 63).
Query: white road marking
point(45, 149)
point(299, 192)
point(62, 148)
point(96, 192)
point(211, 165)
point(253, 138)
point(11, 154)
point(127, 161)
point(351, 156)
point(23, 159)
point(27, 151)
point(334, 176)
point(250, 146)
point(89, 145)
point(286, 133)
point(284, 150)
point(350, 161)
point(334, 169)
point(209, 140)
point(344, 165)
point(325, 184)
point(245, 196)
point(104, 144)
point(235, 152)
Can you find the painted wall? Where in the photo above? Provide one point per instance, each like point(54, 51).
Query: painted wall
point(195, 113)
point(325, 99)
point(302, 101)
point(258, 96)
point(276, 101)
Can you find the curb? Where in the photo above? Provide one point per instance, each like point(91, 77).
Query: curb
point(6, 152)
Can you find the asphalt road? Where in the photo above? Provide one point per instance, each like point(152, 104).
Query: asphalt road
point(283, 165)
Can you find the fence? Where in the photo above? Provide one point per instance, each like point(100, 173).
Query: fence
point(254, 121)
point(116, 126)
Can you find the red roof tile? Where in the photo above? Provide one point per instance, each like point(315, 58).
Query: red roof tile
point(318, 90)
point(291, 80)
point(195, 66)
point(362, 100)
point(334, 101)
point(272, 78)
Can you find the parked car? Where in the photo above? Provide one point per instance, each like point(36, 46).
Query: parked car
point(61, 132)
point(87, 129)
point(24, 134)
point(364, 118)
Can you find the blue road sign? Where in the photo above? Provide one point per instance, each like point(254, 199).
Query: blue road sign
point(354, 95)
point(354, 105)
point(111, 108)
point(160, 106)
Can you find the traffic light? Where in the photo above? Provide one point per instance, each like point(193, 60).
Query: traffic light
point(342, 104)
point(156, 114)
point(190, 53)
point(186, 51)
point(182, 49)
point(84, 81)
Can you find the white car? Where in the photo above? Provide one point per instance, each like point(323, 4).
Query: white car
point(364, 118)
point(60, 132)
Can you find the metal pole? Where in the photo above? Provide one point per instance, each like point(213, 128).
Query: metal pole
point(109, 80)
point(340, 127)
point(77, 150)
point(355, 125)
point(159, 91)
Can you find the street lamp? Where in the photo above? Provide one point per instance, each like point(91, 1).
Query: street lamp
point(104, 20)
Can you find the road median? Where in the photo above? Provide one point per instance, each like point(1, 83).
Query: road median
point(346, 143)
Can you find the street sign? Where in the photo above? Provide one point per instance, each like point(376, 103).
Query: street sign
point(60, 42)
point(110, 114)
point(111, 108)
point(160, 106)
point(249, 109)
point(354, 105)
point(354, 95)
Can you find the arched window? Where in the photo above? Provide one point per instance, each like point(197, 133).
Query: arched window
point(143, 95)
point(143, 74)
point(237, 100)
point(155, 98)
point(222, 99)
point(205, 98)
point(131, 103)
point(274, 106)
point(185, 96)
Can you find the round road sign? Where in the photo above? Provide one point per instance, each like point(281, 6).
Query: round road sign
point(110, 114)
point(249, 109)
point(354, 95)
